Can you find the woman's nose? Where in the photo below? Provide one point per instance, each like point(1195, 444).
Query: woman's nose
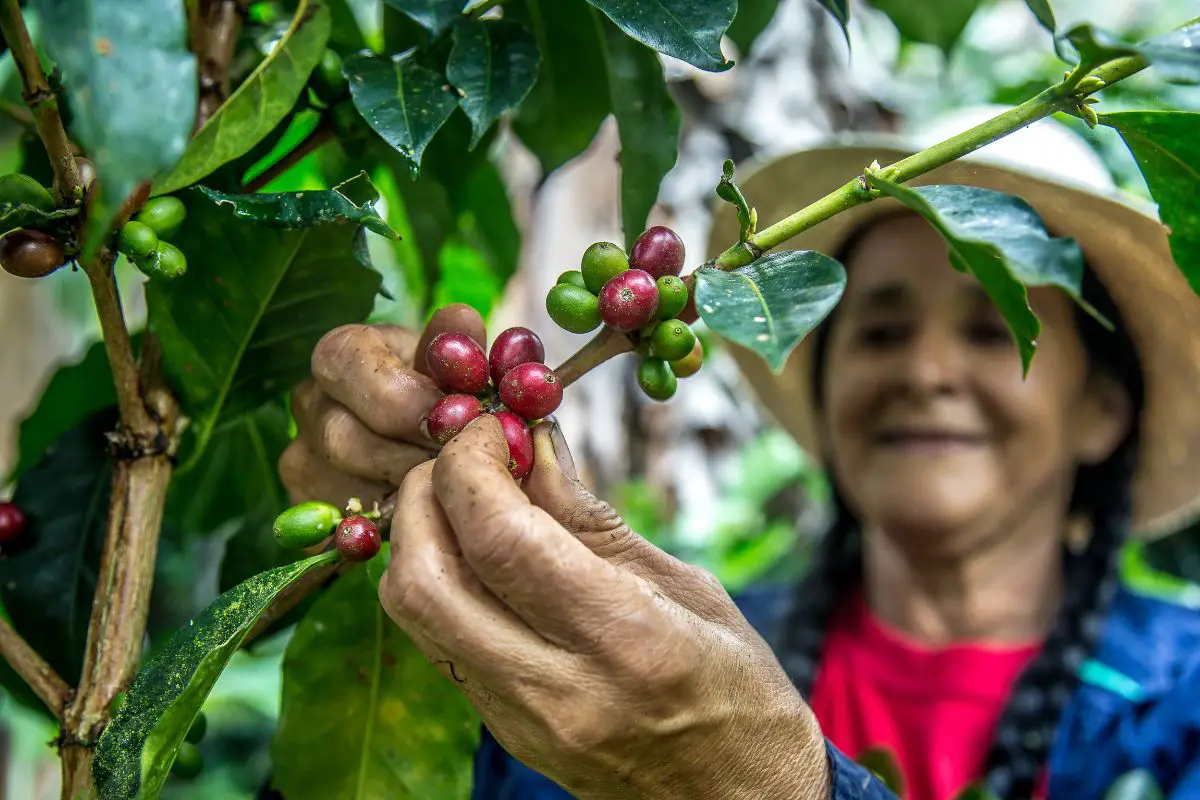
point(933, 363)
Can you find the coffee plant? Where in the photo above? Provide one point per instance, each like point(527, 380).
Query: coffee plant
point(235, 153)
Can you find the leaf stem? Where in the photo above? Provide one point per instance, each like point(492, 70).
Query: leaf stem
point(33, 669)
point(214, 45)
point(320, 135)
point(68, 190)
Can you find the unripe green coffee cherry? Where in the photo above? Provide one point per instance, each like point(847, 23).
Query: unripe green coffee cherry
point(656, 379)
point(189, 761)
point(163, 214)
point(306, 524)
point(602, 262)
point(672, 340)
point(672, 296)
point(198, 729)
point(167, 262)
point(572, 277)
point(327, 79)
point(137, 240)
point(690, 364)
point(573, 309)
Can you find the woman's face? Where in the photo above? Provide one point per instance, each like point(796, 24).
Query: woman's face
point(931, 428)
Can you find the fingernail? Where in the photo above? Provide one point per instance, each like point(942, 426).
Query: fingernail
point(562, 453)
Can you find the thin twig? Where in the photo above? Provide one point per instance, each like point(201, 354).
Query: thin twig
point(607, 344)
point(33, 669)
point(18, 112)
point(222, 22)
point(42, 101)
point(320, 135)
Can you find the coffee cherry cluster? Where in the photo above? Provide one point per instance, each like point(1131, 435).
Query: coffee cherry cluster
point(512, 383)
point(356, 537)
point(641, 295)
point(143, 241)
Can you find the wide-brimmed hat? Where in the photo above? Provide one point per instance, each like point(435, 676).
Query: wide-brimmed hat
point(1056, 172)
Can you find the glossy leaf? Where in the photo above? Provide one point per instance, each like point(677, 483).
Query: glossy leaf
point(137, 748)
point(1000, 240)
point(754, 15)
point(352, 202)
point(1175, 54)
point(493, 64)
point(1044, 13)
point(563, 112)
point(1135, 785)
point(936, 22)
point(647, 122)
point(74, 393)
point(364, 712)
point(1166, 145)
point(23, 215)
point(238, 329)
point(131, 85)
point(259, 104)
point(433, 15)
point(402, 101)
point(689, 30)
point(21, 190)
point(48, 585)
point(769, 305)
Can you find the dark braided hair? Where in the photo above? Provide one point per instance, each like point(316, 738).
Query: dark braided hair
point(1102, 493)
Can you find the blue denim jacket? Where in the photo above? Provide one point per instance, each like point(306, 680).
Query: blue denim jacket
point(1137, 705)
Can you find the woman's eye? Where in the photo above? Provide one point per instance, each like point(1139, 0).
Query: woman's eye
point(882, 334)
point(989, 332)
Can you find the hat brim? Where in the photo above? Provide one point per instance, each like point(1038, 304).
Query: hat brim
point(1126, 248)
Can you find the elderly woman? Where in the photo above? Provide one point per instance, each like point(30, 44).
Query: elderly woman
point(966, 610)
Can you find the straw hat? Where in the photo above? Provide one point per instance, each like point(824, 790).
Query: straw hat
point(1055, 171)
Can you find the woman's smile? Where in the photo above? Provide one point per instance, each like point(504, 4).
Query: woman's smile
point(927, 440)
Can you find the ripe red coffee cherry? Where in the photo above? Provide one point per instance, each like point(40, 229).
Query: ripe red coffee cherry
point(457, 363)
point(531, 390)
point(512, 347)
point(30, 254)
point(520, 444)
point(12, 522)
point(629, 301)
point(357, 539)
point(451, 414)
point(658, 251)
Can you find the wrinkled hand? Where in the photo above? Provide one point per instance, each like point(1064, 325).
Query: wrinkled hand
point(359, 416)
point(592, 656)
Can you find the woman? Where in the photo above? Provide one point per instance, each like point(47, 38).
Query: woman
point(965, 610)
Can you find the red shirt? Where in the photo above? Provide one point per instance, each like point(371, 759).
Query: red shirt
point(935, 709)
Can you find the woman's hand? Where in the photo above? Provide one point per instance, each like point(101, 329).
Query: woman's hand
point(359, 417)
point(594, 657)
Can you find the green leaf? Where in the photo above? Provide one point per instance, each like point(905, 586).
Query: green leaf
point(131, 85)
point(560, 117)
point(1175, 54)
point(74, 393)
point(364, 713)
point(137, 748)
point(258, 105)
point(48, 586)
point(402, 101)
point(13, 217)
point(936, 22)
point(1044, 13)
point(494, 64)
point(433, 15)
point(239, 327)
point(689, 30)
point(752, 18)
point(840, 9)
point(976, 791)
point(351, 202)
point(882, 761)
point(21, 190)
point(1000, 240)
point(647, 122)
point(1135, 785)
point(769, 305)
point(1166, 145)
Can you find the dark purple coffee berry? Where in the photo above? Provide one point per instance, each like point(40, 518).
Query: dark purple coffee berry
point(30, 254)
point(520, 444)
point(658, 251)
point(457, 363)
point(513, 347)
point(451, 414)
point(12, 522)
point(357, 539)
point(531, 390)
point(628, 301)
